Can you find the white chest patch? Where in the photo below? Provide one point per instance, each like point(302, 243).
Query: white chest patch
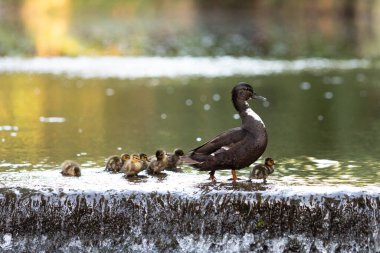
point(254, 115)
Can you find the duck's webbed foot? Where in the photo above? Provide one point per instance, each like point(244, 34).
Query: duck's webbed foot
point(212, 176)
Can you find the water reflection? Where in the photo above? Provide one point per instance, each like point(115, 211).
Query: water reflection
point(314, 139)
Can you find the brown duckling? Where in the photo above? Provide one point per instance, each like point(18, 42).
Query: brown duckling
point(133, 166)
point(125, 158)
point(145, 161)
point(70, 168)
point(174, 160)
point(159, 163)
point(262, 171)
point(115, 163)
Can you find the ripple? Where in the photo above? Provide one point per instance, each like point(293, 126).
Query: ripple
point(142, 67)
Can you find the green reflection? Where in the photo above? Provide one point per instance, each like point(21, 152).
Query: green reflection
point(305, 122)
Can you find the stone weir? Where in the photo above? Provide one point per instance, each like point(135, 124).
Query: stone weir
point(247, 217)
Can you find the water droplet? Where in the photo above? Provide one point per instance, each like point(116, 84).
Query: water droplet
point(236, 116)
point(320, 117)
point(305, 86)
point(216, 97)
point(266, 103)
point(83, 153)
point(207, 107)
point(198, 139)
point(52, 119)
point(119, 148)
point(110, 92)
point(13, 134)
point(2, 139)
point(164, 116)
point(189, 102)
point(328, 95)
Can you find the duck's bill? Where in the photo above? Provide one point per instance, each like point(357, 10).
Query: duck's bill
point(259, 98)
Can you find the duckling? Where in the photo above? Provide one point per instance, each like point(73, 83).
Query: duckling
point(114, 164)
point(174, 160)
point(70, 168)
point(159, 163)
point(262, 171)
point(145, 161)
point(133, 166)
point(124, 158)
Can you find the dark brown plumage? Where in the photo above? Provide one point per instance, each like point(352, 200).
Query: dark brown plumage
point(235, 148)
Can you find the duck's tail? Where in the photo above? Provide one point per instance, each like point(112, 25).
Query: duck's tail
point(187, 160)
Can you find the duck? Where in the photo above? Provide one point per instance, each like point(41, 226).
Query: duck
point(262, 171)
point(144, 160)
point(70, 168)
point(125, 158)
point(114, 163)
point(159, 163)
point(235, 148)
point(133, 166)
point(174, 160)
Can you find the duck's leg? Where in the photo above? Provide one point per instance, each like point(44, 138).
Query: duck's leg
point(234, 177)
point(212, 176)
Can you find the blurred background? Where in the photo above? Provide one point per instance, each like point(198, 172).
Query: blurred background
point(323, 28)
point(62, 95)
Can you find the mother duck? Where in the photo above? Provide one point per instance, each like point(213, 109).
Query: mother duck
point(235, 148)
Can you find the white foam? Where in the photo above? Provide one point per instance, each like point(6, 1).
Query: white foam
point(141, 67)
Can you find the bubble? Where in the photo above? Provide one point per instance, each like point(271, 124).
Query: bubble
point(207, 107)
point(266, 103)
point(328, 95)
point(216, 97)
point(305, 86)
point(236, 116)
point(163, 116)
point(119, 148)
point(320, 117)
point(198, 139)
point(13, 134)
point(189, 102)
point(110, 92)
point(2, 139)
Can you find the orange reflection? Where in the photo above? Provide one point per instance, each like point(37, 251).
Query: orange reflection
point(48, 24)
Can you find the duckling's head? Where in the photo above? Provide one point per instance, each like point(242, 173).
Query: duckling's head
point(160, 154)
point(243, 92)
point(125, 157)
point(269, 162)
point(143, 157)
point(135, 158)
point(178, 152)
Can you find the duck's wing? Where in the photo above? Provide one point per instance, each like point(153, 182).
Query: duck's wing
point(223, 141)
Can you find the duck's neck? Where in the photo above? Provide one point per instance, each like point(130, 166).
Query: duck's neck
point(247, 115)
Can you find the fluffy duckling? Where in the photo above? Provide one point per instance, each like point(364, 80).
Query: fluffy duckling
point(70, 168)
point(114, 164)
point(262, 171)
point(133, 166)
point(125, 158)
point(159, 163)
point(145, 161)
point(174, 160)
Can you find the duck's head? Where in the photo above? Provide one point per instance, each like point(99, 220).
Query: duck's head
point(269, 162)
point(125, 157)
point(135, 158)
point(160, 154)
point(143, 157)
point(178, 152)
point(244, 91)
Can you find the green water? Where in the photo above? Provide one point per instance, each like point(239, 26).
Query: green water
point(322, 126)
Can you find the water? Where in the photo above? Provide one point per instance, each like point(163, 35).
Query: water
point(85, 82)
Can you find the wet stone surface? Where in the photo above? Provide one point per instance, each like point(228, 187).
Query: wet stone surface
point(218, 217)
